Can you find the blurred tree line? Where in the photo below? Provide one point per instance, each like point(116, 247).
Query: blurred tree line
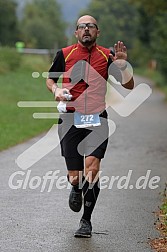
point(41, 26)
point(8, 23)
point(141, 24)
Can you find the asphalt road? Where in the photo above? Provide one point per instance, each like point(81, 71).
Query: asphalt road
point(35, 215)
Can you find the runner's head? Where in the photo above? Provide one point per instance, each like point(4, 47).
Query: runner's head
point(87, 30)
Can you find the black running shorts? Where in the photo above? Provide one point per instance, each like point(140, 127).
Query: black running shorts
point(79, 142)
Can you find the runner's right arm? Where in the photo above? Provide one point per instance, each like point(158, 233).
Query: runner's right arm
point(57, 68)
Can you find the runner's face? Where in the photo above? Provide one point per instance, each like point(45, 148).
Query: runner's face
point(87, 35)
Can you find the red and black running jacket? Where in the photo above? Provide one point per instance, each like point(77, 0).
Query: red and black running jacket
point(85, 75)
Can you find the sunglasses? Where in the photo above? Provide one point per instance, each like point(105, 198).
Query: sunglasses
point(84, 25)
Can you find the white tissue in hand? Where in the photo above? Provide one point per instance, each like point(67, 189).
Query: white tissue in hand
point(62, 107)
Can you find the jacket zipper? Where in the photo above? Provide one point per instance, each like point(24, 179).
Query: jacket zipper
point(87, 79)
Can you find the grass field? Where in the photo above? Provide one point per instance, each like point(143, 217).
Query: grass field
point(17, 124)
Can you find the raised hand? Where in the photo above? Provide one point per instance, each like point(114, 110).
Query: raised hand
point(120, 56)
point(120, 51)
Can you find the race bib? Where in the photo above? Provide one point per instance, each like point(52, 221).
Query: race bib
point(84, 121)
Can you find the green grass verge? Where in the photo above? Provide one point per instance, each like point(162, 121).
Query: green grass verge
point(154, 75)
point(17, 124)
point(164, 209)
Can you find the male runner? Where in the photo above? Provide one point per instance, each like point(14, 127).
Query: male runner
point(83, 124)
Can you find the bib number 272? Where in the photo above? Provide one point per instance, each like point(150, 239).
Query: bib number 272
point(83, 121)
point(87, 118)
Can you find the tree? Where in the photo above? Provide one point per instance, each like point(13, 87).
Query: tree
point(151, 7)
point(8, 23)
point(42, 25)
point(117, 20)
point(152, 31)
point(158, 43)
point(148, 12)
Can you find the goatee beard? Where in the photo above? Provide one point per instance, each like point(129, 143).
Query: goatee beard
point(86, 42)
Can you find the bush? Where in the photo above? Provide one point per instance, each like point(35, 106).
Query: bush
point(139, 55)
point(10, 59)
